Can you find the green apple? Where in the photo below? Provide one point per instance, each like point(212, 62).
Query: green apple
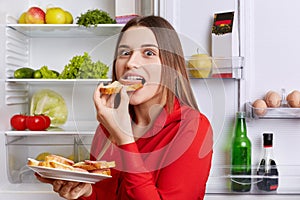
point(200, 65)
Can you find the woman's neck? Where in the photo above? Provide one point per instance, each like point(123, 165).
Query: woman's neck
point(145, 116)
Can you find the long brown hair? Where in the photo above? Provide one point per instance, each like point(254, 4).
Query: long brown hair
point(172, 59)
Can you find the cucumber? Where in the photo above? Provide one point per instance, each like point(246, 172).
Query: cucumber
point(55, 72)
point(37, 74)
point(24, 72)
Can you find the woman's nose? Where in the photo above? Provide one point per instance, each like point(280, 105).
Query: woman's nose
point(133, 61)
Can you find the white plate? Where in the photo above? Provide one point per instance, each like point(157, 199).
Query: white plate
point(68, 175)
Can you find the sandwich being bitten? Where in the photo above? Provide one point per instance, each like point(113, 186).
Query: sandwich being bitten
point(116, 87)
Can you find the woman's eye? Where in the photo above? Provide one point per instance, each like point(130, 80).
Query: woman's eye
point(149, 53)
point(124, 53)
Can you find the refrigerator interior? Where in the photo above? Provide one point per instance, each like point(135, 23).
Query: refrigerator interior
point(52, 45)
point(218, 99)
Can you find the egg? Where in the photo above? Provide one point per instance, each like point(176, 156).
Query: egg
point(293, 99)
point(260, 107)
point(273, 99)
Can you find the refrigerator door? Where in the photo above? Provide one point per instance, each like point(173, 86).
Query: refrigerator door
point(266, 67)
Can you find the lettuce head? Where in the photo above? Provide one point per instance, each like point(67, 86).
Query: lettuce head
point(50, 103)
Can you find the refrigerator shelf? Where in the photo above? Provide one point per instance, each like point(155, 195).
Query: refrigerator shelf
point(17, 91)
point(71, 128)
point(58, 81)
point(48, 133)
point(272, 113)
point(66, 30)
point(215, 67)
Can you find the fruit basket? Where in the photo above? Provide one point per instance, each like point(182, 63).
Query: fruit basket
point(214, 67)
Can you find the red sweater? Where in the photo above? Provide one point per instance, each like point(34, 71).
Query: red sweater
point(171, 161)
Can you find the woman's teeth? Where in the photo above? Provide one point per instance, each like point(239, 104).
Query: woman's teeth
point(134, 78)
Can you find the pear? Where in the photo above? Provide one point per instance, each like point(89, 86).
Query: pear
point(200, 65)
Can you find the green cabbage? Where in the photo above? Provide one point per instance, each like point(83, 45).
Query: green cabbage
point(50, 103)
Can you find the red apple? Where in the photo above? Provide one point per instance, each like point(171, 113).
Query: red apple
point(35, 15)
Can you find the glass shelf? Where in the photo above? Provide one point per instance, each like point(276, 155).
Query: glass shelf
point(272, 113)
point(70, 128)
point(17, 90)
point(66, 30)
point(58, 81)
point(49, 132)
point(215, 67)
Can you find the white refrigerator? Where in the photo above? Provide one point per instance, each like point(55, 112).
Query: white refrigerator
point(267, 60)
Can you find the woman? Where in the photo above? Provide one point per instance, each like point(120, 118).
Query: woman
point(160, 141)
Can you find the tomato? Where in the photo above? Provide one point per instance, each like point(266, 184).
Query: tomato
point(48, 121)
point(36, 123)
point(18, 122)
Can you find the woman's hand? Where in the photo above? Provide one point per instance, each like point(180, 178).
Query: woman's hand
point(68, 189)
point(116, 120)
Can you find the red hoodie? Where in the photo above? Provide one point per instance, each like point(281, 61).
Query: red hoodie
point(171, 161)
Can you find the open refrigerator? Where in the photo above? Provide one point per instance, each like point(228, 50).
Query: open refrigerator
point(218, 98)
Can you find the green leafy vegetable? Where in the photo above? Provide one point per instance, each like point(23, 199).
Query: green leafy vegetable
point(82, 67)
point(47, 73)
point(94, 17)
point(49, 103)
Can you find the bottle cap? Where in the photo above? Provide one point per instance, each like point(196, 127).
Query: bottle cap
point(240, 114)
point(268, 139)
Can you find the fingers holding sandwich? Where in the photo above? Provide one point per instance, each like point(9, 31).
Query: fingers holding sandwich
point(105, 95)
point(102, 100)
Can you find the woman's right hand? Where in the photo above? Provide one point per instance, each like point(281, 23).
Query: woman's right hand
point(116, 120)
point(68, 189)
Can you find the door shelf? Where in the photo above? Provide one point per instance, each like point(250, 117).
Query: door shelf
point(220, 180)
point(272, 113)
point(215, 67)
point(66, 30)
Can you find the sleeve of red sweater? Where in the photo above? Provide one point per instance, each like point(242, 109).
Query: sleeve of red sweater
point(184, 178)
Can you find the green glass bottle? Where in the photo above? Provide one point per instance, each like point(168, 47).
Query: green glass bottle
point(240, 156)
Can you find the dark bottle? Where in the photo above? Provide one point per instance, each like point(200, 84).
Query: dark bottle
point(267, 166)
point(240, 156)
